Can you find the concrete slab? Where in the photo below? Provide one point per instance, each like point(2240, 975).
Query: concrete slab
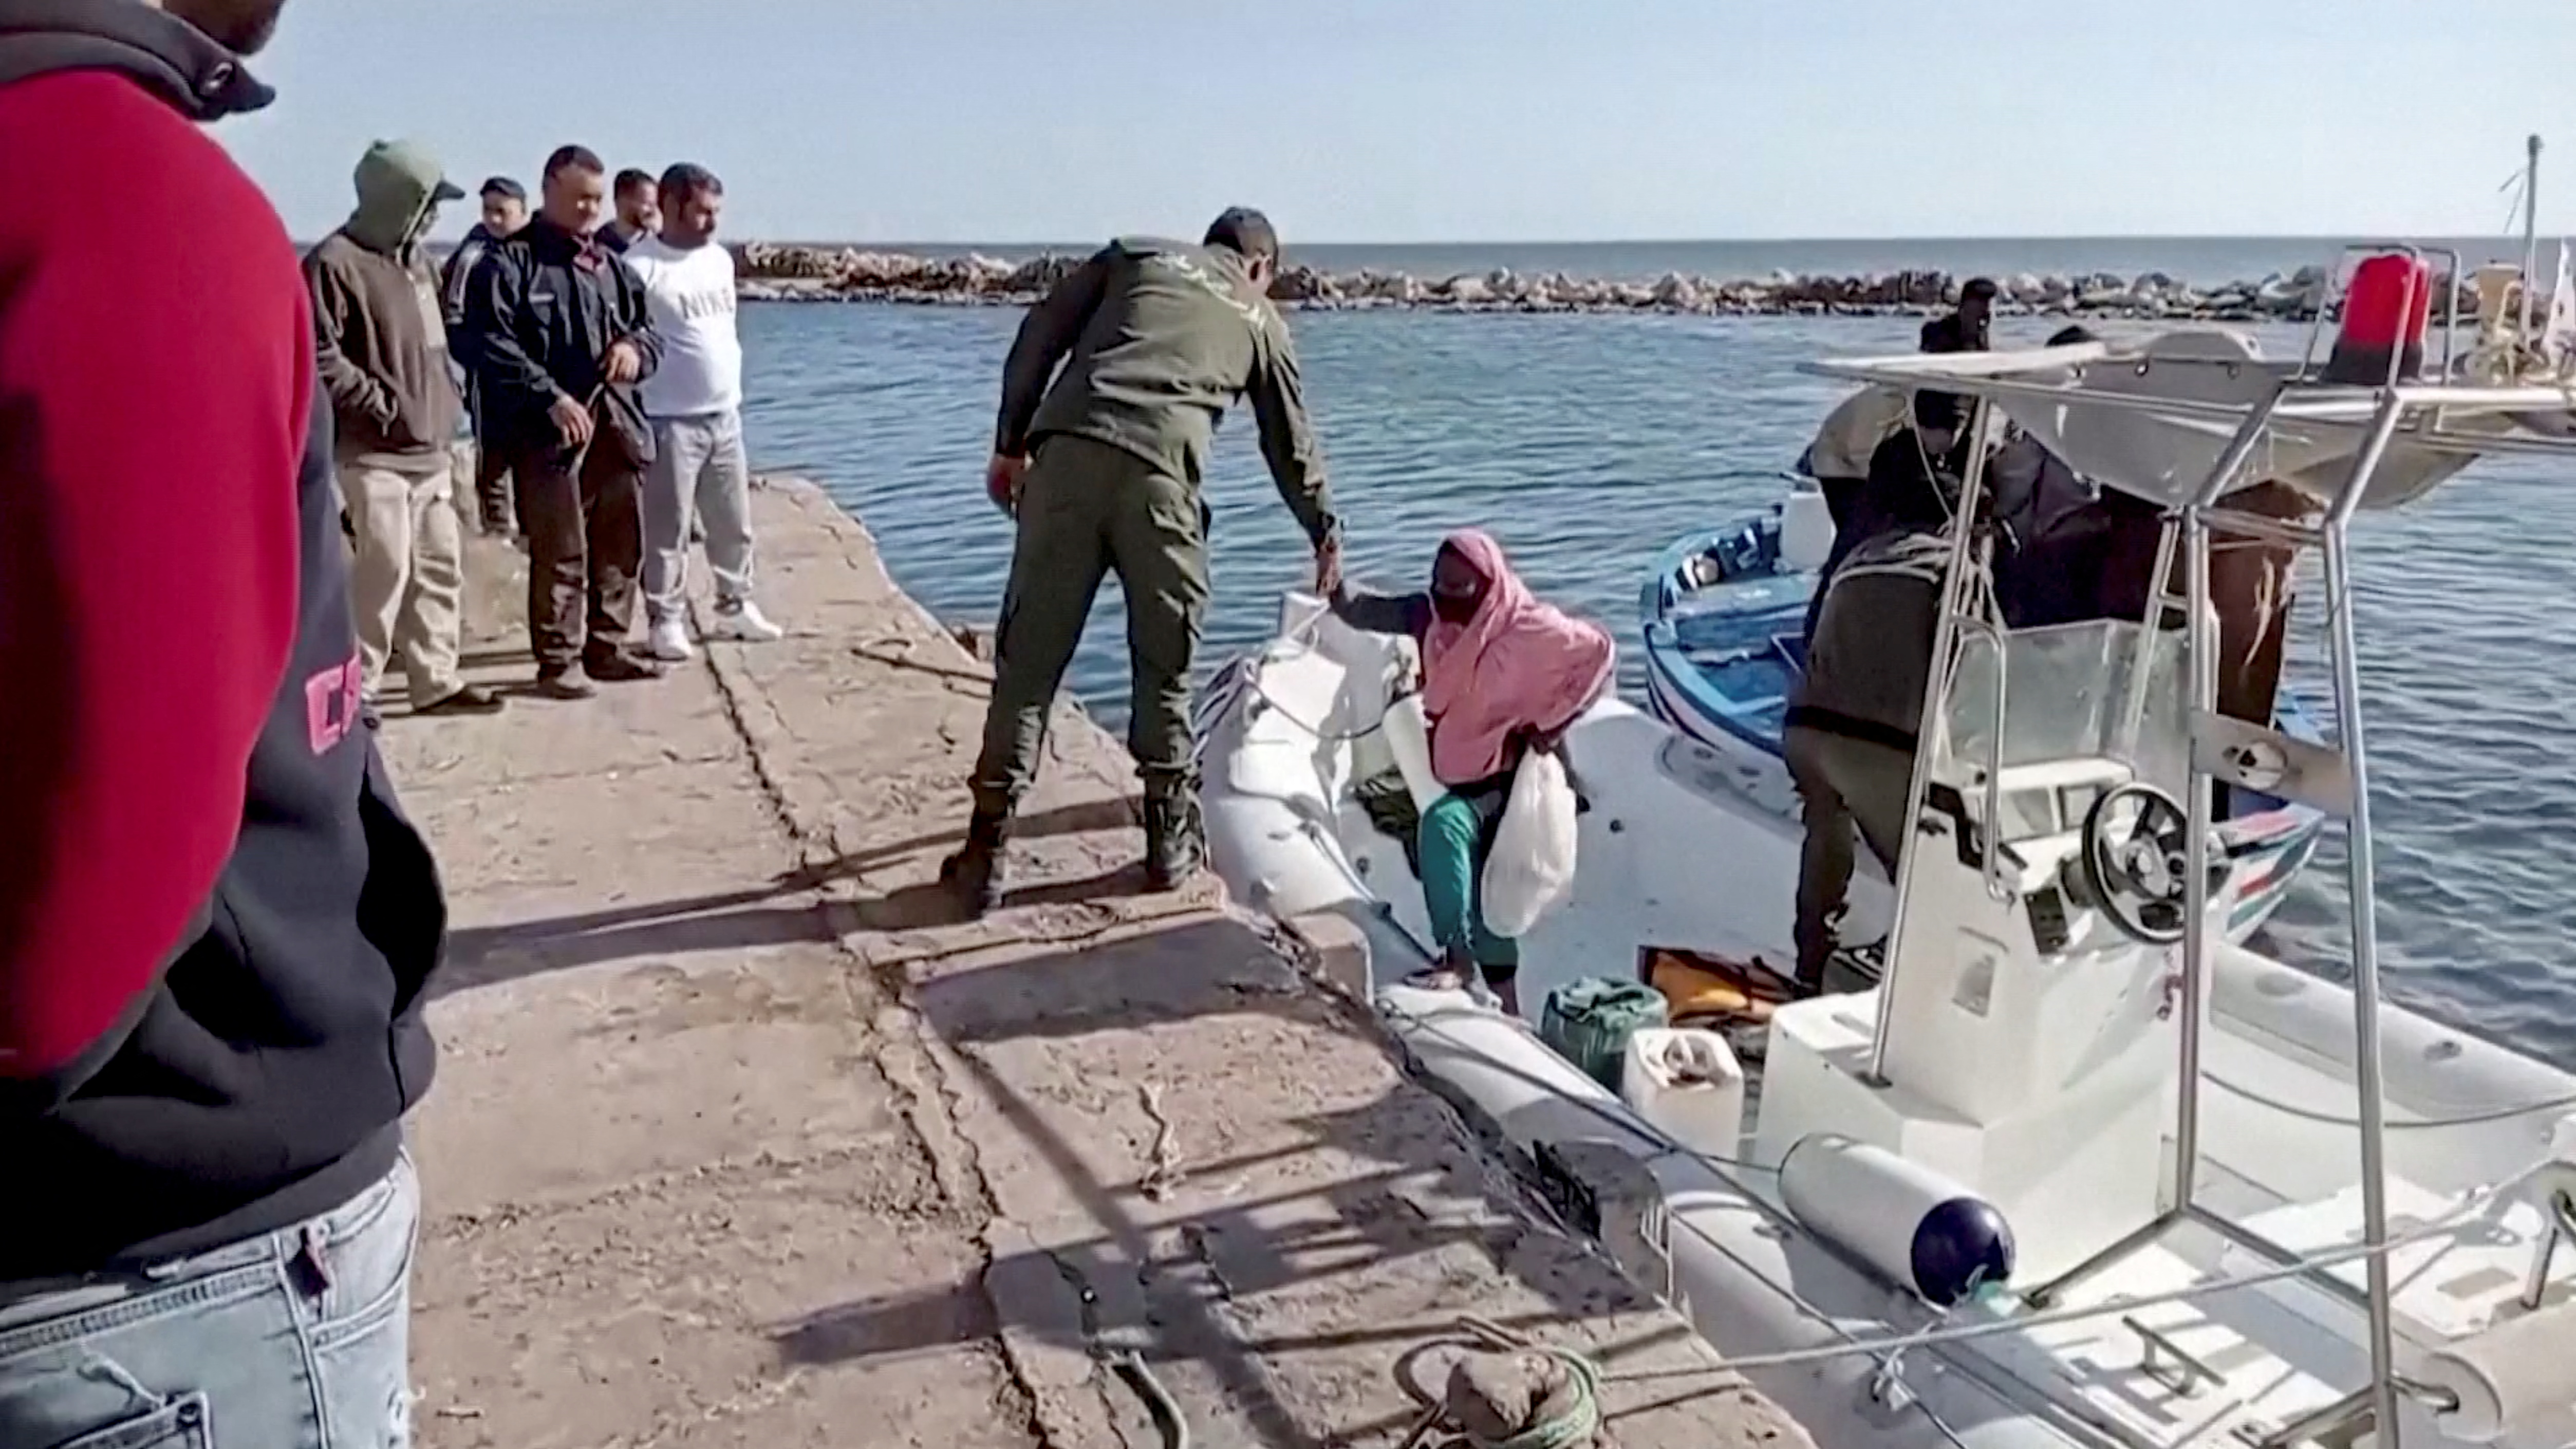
point(742, 1137)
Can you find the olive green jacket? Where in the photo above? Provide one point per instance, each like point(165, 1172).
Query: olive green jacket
point(1156, 339)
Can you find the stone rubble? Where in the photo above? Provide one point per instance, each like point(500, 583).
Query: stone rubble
point(782, 272)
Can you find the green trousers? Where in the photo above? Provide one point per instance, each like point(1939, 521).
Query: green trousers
point(1087, 510)
point(1451, 847)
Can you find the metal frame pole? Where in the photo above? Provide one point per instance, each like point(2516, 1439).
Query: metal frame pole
point(2203, 658)
point(2362, 865)
point(2203, 685)
point(1936, 691)
point(2530, 232)
point(2133, 708)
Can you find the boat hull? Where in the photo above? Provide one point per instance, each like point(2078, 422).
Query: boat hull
point(1671, 852)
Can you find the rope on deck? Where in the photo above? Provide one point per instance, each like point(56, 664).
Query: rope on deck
point(1571, 1423)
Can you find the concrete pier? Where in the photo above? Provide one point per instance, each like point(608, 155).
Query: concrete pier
point(740, 1138)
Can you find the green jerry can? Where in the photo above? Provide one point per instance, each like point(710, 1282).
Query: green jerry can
point(1588, 1022)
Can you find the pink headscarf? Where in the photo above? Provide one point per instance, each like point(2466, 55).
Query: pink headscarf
point(1515, 664)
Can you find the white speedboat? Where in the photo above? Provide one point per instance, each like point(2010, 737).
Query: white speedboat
point(2246, 1206)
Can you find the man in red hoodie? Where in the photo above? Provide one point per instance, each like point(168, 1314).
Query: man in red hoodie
point(216, 928)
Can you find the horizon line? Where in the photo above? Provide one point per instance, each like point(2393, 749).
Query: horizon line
point(1291, 245)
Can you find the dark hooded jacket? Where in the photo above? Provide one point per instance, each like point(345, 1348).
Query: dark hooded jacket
point(216, 928)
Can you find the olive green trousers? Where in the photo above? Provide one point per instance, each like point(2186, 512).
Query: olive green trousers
point(1088, 510)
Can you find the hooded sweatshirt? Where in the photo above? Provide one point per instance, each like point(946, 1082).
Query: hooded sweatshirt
point(379, 337)
point(216, 929)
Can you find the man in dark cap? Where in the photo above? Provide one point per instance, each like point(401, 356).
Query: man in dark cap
point(505, 210)
point(1100, 463)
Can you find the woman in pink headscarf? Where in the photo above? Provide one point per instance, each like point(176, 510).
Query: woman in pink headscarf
point(1502, 674)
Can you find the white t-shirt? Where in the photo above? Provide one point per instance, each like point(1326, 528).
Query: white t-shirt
point(691, 297)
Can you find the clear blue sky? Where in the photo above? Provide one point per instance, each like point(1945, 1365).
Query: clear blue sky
point(1448, 120)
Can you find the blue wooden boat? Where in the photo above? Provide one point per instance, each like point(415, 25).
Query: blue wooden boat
point(1723, 620)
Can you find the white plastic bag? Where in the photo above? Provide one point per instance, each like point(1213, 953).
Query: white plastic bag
point(1532, 864)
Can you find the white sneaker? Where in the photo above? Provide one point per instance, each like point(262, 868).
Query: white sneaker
point(744, 621)
point(671, 641)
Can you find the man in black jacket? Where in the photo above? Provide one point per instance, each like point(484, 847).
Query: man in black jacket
point(505, 211)
point(562, 337)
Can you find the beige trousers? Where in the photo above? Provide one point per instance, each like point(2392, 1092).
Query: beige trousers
point(406, 575)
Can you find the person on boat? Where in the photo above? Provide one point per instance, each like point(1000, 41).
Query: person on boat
point(217, 930)
point(1099, 462)
point(1502, 674)
point(1967, 327)
point(1839, 457)
point(1924, 458)
point(1849, 735)
point(2052, 527)
point(1846, 448)
point(2251, 586)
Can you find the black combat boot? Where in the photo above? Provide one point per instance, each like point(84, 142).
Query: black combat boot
point(978, 871)
point(1175, 837)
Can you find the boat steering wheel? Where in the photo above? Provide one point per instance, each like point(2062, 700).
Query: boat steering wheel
point(2137, 862)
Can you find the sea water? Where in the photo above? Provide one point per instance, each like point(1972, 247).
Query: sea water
point(1588, 443)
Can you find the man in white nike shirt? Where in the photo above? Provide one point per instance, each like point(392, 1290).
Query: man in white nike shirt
point(700, 474)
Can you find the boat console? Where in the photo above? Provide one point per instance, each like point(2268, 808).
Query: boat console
point(2030, 1055)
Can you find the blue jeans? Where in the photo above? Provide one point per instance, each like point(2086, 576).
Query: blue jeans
point(296, 1339)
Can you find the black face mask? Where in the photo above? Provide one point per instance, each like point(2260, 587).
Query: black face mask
point(1454, 608)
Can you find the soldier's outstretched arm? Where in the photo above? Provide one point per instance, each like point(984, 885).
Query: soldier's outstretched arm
point(1046, 335)
point(1288, 437)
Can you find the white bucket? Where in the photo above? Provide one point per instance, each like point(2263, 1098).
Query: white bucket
point(1806, 530)
point(1688, 1084)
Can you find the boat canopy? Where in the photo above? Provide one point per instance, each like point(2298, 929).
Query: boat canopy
point(2153, 416)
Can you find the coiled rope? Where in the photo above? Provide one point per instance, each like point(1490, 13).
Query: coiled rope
point(1570, 1426)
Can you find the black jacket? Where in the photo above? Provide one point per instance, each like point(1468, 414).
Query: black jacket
point(454, 278)
point(543, 309)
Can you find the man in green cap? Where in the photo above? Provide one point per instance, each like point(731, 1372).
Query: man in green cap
point(1100, 463)
point(381, 341)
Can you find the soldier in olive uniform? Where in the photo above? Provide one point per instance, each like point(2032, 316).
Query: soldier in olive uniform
point(1100, 464)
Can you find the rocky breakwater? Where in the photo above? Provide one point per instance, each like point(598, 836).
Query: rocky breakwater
point(780, 272)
